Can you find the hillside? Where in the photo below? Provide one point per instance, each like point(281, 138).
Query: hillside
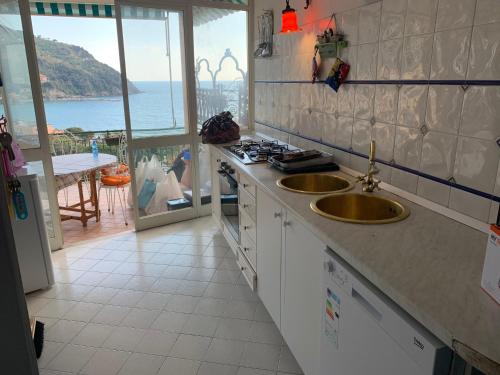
point(69, 71)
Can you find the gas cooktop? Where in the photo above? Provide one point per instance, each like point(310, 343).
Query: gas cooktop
point(250, 151)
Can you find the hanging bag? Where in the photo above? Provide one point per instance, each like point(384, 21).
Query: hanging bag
point(220, 129)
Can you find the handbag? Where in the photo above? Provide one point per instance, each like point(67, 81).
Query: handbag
point(220, 129)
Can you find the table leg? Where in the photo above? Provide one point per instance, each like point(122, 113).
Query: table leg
point(83, 212)
point(95, 198)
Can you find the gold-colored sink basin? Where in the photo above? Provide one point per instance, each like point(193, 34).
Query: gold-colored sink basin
point(360, 208)
point(314, 183)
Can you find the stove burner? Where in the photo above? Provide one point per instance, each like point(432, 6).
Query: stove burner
point(257, 151)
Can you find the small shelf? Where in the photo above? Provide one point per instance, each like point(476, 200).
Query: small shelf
point(331, 49)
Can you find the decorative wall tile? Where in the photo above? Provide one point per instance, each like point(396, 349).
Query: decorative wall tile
point(313, 127)
point(444, 106)
point(349, 25)
point(295, 118)
point(361, 136)
point(417, 54)
point(454, 14)
point(421, 17)
point(295, 95)
point(346, 100)
point(318, 97)
point(412, 105)
point(389, 59)
point(285, 117)
point(476, 163)
point(383, 135)
point(481, 113)
point(438, 154)
point(304, 122)
point(450, 54)
point(330, 100)
point(386, 102)
point(487, 11)
point(305, 95)
point(364, 102)
point(393, 19)
point(350, 56)
point(404, 180)
point(484, 62)
point(433, 191)
point(369, 23)
point(408, 147)
point(359, 164)
point(329, 128)
point(367, 61)
point(470, 204)
point(343, 134)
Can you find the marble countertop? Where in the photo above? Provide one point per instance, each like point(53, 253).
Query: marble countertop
point(429, 264)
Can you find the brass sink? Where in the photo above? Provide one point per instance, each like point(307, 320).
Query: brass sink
point(360, 208)
point(314, 183)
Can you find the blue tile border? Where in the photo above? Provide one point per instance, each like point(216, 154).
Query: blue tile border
point(393, 165)
point(464, 83)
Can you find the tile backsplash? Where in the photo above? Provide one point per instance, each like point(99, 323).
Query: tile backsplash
point(449, 131)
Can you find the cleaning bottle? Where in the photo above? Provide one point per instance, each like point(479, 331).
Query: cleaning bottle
point(95, 149)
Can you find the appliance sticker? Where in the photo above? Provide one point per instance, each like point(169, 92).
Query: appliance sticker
point(332, 318)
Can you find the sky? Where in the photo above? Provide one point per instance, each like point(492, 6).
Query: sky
point(145, 43)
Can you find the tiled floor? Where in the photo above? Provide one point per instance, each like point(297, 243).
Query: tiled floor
point(73, 230)
point(168, 301)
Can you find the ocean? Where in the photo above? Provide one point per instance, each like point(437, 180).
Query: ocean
point(149, 109)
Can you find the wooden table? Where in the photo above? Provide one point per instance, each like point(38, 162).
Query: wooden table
point(71, 169)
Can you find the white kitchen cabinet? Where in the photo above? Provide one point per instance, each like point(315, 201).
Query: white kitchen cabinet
point(302, 299)
point(214, 167)
point(269, 231)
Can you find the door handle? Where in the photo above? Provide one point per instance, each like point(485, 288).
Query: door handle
point(368, 307)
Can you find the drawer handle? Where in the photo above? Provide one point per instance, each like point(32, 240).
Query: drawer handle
point(277, 215)
point(287, 223)
point(246, 227)
point(246, 205)
point(245, 249)
point(243, 268)
point(246, 185)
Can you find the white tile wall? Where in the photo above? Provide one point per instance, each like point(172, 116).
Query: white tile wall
point(448, 131)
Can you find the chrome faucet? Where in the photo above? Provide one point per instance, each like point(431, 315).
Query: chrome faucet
point(367, 180)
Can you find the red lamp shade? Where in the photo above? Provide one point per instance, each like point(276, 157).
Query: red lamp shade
point(289, 20)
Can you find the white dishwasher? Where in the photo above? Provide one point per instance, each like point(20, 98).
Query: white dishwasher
point(363, 332)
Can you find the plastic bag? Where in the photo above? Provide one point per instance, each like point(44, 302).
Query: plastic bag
point(166, 189)
point(146, 194)
point(139, 178)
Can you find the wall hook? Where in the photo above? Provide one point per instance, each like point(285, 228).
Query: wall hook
point(308, 2)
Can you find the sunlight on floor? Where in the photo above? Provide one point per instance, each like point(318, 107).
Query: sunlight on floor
point(109, 224)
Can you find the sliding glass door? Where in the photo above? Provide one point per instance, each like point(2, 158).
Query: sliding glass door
point(164, 47)
point(161, 136)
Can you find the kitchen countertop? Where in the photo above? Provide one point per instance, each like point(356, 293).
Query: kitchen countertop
point(429, 264)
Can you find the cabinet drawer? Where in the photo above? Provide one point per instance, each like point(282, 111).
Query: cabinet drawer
point(246, 184)
point(249, 250)
point(247, 203)
point(247, 225)
point(246, 269)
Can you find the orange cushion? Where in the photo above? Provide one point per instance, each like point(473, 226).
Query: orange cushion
point(115, 180)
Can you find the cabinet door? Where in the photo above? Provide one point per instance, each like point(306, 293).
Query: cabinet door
point(269, 230)
point(214, 160)
point(302, 304)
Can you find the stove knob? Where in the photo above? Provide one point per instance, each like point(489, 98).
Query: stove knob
point(230, 171)
point(223, 165)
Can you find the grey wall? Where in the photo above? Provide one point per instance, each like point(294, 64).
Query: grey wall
point(447, 131)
